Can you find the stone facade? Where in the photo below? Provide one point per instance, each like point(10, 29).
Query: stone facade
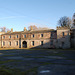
point(29, 39)
point(72, 38)
point(60, 38)
point(63, 37)
point(0, 37)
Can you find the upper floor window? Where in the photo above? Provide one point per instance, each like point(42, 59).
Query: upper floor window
point(33, 35)
point(17, 43)
point(51, 34)
point(33, 43)
point(41, 42)
point(10, 43)
point(3, 37)
point(41, 35)
point(51, 43)
point(17, 36)
point(24, 36)
point(63, 33)
point(10, 36)
point(3, 43)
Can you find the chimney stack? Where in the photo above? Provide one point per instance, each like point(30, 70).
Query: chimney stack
point(11, 29)
point(31, 29)
point(24, 29)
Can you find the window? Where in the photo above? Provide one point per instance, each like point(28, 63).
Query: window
point(41, 35)
point(24, 36)
point(17, 36)
point(3, 37)
point(41, 42)
point(62, 44)
point(63, 33)
point(51, 34)
point(33, 35)
point(10, 43)
point(33, 43)
point(3, 43)
point(17, 43)
point(10, 36)
point(51, 43)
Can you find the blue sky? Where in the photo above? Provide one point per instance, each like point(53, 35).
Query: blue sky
point(18, 14)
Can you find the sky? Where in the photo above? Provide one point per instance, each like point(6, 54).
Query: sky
point(18, 14)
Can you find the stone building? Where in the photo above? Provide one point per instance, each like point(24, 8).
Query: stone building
point(0, 37)
point(29, 39)
point(63, 37)
point(72, 38)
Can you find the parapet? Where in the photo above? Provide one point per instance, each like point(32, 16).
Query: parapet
point(60, 27)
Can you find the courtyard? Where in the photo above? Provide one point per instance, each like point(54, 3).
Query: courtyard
point(37, 62)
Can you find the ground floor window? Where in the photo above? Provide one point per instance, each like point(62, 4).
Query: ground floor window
point(10, 43)
point(41, 42)
point(51, 42)
point(17, 43)
point(3, 43)
point(33, 43)
point(62, 44)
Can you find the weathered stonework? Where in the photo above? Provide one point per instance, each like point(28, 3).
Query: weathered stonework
point(63, 37)
point(41, 39)
point(60, 38)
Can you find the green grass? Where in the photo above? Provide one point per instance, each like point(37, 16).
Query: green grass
point(8, 71)
point(7, 61)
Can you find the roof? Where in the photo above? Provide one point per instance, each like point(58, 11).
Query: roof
point(36, 31)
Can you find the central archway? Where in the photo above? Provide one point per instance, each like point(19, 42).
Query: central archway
point(24, 44)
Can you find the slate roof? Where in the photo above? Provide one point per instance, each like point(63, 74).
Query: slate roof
point(36, 31)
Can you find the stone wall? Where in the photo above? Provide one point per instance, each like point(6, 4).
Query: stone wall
point(0, 37)
point(38, 37)
point(63, 37)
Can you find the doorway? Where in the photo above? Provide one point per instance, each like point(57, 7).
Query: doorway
point(24, 44)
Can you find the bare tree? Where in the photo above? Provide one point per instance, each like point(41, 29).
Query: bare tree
point(4, 29)
point(34, 27)
point(64, 21)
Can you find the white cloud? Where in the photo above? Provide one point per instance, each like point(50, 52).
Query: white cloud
point(11, 17)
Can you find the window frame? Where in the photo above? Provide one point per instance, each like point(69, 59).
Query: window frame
point(10, 36)
point(16, 43)
point(41, 35)
point(3, 37)
point(25, 36)
point(9, 43)
point(42, 43)
point(33, 35)
point(17, 36)
point(33, 43)
point(3, 43)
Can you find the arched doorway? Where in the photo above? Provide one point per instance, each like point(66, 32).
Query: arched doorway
point(24, 44)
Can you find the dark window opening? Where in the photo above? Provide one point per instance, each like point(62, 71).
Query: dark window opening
point(63, 33)
point(3, 37)
point(51, 34)
point(51, 43)
point(24, 36)
point(3, 43)
point(17, 36)
point(10, 36)
point(41, 42)
point(17, 43)
point(33, 35)
point(10, 43)
point(41, 35)
point(33, 43)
